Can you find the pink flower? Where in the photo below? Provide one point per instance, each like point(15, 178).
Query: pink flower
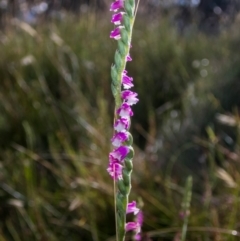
point(119, 138)
point(116, 33)
point(132, 208)
point(136, 226)
point(139, 218)
point(129, 97)
point(128, 58)
point(119, 154)
point(122, 124)
point(132, 226)
point(115, 169)
point(115, 6)
point(125, 110)
point(126, 80)
point(137, 237)
point(117, 18)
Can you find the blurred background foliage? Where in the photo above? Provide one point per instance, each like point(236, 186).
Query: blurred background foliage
point(56, 114)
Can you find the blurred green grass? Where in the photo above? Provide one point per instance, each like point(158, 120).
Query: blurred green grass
point(56, 113)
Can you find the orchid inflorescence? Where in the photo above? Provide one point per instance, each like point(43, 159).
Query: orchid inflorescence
point(120, 159)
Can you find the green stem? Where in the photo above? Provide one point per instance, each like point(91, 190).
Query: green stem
point(186, 206)
point(115, 207)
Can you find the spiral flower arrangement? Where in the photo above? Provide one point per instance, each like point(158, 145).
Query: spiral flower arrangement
point(120, 158)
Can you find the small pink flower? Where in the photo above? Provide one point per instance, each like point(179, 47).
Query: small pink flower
point(116, 33)
point(115, 170)
point(122, 124)
point(136, 226)
point(132, 226)
point(128, 58)
point(117, 18)
point(125, 110)
point(139, 218)
point(129, 97)
point(132, 208)
point(126, 80)
point(137, 237)
point(119, 154)
point(119, 138)
point(115, 6)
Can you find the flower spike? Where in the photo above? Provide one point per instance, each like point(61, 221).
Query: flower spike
point(120, 158)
